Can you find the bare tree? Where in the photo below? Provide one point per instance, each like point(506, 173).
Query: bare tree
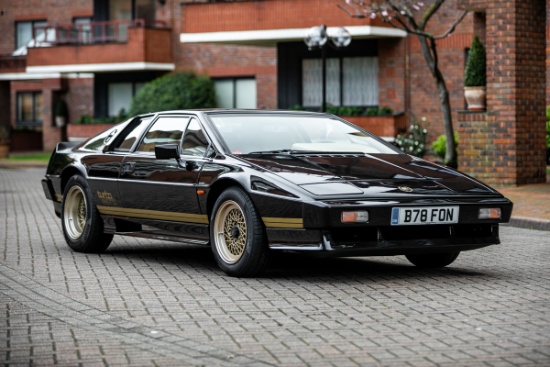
point(413, 17)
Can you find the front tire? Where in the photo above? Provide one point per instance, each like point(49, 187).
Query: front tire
point(237, 235)
point(81, 222)
point(431, 261)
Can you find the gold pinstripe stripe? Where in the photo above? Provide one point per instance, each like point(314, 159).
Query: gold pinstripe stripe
point(273, 222)
point(270, 222)
point(153, 214)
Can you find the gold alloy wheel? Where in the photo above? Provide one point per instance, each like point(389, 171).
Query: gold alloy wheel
point(230, 231)
point(74, 213)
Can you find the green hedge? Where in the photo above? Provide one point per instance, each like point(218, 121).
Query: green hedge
point(183, 90)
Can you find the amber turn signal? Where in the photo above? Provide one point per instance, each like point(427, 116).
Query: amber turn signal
point(489, 213)
point(355, 217)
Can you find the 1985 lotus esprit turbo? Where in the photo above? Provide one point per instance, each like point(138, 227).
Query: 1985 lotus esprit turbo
point(248, 183)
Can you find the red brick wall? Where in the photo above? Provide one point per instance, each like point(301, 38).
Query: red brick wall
point(80, 99)
point(424, 98)
point(270, 14)
point(60, 11)
point(236, 61)
point(392, 73)
point(507, 145)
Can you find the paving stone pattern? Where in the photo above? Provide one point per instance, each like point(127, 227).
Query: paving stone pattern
point(153, 303)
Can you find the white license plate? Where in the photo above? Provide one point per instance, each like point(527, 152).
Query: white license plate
point(424, 215)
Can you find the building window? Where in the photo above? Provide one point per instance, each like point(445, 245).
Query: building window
point(82, 30)
point(236, 92)
point(120, 96)
point(23, 32)
point(29, 108)
point(350, 81)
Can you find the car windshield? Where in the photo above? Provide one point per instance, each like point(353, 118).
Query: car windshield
point(280, 133)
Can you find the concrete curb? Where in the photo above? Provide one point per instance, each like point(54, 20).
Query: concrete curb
point(23, 165)
point(529, 223)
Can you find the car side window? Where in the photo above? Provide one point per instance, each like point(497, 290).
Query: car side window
point(166, 130)
point(128, 137)
point(194, 141)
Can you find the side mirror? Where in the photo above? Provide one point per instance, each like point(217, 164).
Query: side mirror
point(167, 151)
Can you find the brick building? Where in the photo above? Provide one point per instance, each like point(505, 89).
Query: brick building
point(98, 53)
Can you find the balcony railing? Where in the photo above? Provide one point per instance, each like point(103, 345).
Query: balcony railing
point(115, 31)
point(12, 64)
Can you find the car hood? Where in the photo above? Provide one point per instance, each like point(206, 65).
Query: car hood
point(356, 174)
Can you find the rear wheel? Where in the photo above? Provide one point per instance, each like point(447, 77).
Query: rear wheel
point(436, 260)
point(81, 222)
point(237, 235)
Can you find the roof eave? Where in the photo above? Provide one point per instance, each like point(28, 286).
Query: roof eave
point(271, 37)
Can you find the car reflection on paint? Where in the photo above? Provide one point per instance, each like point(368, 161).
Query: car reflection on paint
point(249, 183)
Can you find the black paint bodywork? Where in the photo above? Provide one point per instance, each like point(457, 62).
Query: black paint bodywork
point(300, 197)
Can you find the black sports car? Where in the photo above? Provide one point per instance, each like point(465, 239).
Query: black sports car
point(249, 183)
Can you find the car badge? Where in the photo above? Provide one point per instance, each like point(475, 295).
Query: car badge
point(405, 188)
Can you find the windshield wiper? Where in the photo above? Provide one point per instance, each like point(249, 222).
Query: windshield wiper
point(275, 151)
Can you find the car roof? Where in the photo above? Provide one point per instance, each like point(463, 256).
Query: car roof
point(215, 111)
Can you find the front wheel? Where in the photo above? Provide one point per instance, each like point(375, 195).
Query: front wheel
point(237, 235)
point(81, 222)
point(436, 260)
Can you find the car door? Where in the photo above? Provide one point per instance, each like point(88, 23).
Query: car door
point(103, 168)
point(162, 192)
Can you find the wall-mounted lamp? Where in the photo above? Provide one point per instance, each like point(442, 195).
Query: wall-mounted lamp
point(317, 38)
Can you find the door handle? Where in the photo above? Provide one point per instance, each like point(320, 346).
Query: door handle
point(128, 168)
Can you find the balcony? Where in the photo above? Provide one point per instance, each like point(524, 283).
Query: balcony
point(12, 64)
point(100, 47)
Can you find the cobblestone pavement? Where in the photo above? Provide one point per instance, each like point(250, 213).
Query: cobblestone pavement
point(151, 303)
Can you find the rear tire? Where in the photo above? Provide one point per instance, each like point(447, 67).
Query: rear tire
point(431, 261)
point(81, 222)
point(237, 235)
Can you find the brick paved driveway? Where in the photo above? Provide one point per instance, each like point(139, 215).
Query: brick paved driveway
point(153, 303)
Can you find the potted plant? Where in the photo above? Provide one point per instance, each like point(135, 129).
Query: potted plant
point(4, 142)
point(475, 77)
point(61, 113)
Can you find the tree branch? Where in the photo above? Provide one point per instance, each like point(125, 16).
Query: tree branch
point(350, 10)
point(453, 26)
point(430, 12)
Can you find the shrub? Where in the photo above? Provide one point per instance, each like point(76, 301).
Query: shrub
point(297, 107)
point(378, 111)
point(344, 111)
point(61, 109)
point(413, 141)
point(439, 146)
point(475, 74)
point(385, 111)
point(173, 92)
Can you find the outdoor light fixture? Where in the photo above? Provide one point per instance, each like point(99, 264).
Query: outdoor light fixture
point(317, 38)
point(341, 37)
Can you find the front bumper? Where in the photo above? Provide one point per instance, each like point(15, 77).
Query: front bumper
point(387, 241)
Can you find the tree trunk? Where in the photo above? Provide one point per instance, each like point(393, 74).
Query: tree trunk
point(430, 54)
point(451, 158)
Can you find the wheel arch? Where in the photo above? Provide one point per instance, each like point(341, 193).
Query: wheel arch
point(67, 174)
point(217, 188)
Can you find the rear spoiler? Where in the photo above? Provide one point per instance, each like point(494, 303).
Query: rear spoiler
point(65, 145)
